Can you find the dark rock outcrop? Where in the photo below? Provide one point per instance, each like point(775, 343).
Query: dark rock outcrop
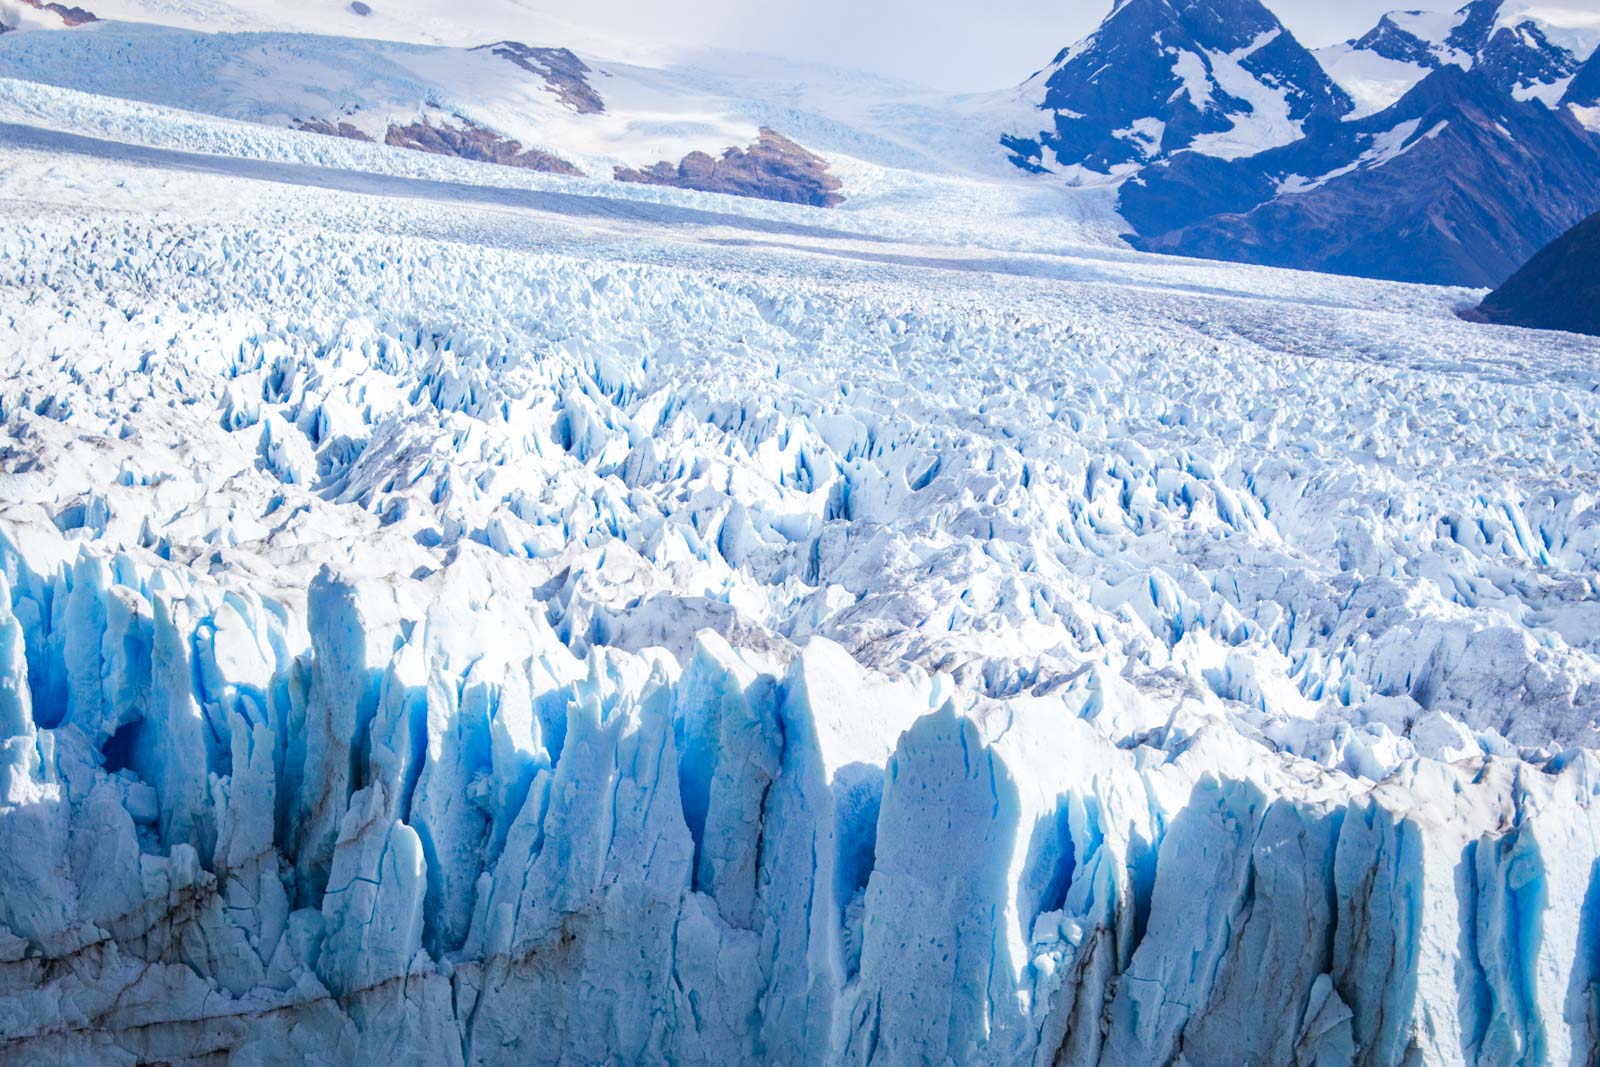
point(465, 141)
point(331, 129)
point(474, 142)
point(70, 16)
point(1389, 40)
point(774, 168)
point(563, 72)
point(1558, 289)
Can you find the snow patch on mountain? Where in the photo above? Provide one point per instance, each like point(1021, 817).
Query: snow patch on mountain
point(1547, 93)
point(1266, 123)
point(1434, 28)
point(1193, 74)
point(1375, 82)
point(1568, 24)
point(1383, 147)
point(1532, 49)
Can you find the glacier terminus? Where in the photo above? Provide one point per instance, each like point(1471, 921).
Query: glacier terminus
point(464, 615)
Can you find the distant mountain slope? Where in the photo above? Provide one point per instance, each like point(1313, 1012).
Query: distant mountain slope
point(1446, 147)
point(1531, 52)
point(506, 103)
point(1582, 98)
point(1457, 183)
point(1558, 289)
point(1219, 77)
point(915, 153)
point(42, 15)
point(454, 23)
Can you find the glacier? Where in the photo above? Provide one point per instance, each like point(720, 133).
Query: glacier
point(484, 631)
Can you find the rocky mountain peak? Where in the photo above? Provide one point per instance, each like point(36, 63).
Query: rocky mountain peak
point(1222, 77)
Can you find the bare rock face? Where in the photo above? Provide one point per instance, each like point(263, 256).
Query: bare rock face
point(471, 141)
point(774, 168)
point(71, 16)
point(563, 72)
point(330, 129)
point(357, 7)
point(466, 141)
point(1558, 289)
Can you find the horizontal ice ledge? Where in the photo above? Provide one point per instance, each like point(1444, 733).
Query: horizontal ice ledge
point(406, 824)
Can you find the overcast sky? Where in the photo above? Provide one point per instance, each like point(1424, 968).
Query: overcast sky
point(948, 44)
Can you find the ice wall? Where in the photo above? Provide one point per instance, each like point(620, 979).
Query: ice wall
point(436, 835)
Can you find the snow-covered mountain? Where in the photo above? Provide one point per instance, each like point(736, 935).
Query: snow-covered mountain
point(1439, 147)
point(1217, 77)
point(1202, 126)
point(787, 132)
point(1529, 50)
point(540, 108)
point(1458, 181)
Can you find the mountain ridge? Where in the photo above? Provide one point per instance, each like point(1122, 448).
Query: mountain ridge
point(1558, 289)
point(1222, 65)
point(1497, 180)
point(1490, 148)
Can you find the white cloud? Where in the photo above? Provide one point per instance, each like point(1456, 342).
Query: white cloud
point(943, 43)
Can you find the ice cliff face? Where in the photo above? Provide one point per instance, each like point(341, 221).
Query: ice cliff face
point(419, 649)
point(412, 849)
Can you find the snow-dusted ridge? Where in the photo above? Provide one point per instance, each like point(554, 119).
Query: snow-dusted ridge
point(443, 627)
point(1531, 47)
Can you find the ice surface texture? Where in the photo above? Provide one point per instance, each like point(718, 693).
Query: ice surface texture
point(462, 636)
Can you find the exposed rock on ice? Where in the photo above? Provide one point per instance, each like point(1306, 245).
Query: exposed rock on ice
point(774, 168)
